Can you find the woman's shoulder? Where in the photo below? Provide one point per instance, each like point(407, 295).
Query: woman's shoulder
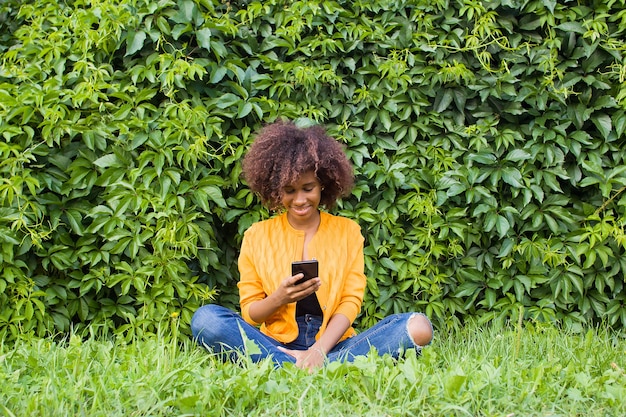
point(263, 226)
point(340, 222)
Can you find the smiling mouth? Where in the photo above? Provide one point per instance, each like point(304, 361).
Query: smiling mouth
point(301, 209)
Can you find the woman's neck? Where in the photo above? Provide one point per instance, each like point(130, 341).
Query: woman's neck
point(310, 229)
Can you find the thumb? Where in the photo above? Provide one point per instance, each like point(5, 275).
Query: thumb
point(285, 350)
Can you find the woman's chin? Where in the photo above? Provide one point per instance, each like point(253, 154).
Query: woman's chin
point(302, 215)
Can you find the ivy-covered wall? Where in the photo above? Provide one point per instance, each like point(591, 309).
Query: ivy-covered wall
point(488, 139)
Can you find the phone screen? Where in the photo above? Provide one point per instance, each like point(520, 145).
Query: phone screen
point(308, 268)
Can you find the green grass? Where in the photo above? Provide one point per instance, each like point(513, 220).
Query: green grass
point(479, 371)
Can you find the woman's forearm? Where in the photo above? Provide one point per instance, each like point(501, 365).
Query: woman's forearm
point(337, 326)
point(261, 310)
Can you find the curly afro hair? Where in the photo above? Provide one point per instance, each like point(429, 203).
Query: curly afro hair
point(282, 152)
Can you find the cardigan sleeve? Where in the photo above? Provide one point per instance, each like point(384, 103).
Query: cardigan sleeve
point(250, 284)
point(355, 281)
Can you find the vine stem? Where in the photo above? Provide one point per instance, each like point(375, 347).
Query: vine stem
point(607, 202)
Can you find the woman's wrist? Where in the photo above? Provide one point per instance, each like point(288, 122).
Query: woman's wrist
point(262, 309)
point(319, 350)
point(274, 302)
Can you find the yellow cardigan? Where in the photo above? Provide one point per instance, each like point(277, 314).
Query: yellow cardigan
point(269, 247)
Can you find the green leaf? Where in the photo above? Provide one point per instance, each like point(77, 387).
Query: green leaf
point(388, 264)
point(575, 27)
point(603, 123)
point(385, 119)
point(490, 298)
point(455, 189)
point(506, 248)
point(218, 73)
point(215, 194)
point(443, 101)
point(517, 155)
point(370, 118)
point(490, 221)
point(107, 161)
point(244, 109)
point(502, 226)
point(483, 158)
point(74, 219)
point(134, 41)
point(204, 38)
point(187, 10)
point(227, 100)
point(512, 177)
point(180, 29)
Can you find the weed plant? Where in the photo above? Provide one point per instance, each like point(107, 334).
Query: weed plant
point(530, 370)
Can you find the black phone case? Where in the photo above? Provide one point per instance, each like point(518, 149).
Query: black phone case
point(308, 268)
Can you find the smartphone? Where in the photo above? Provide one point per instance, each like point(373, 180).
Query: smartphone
point(308, 268)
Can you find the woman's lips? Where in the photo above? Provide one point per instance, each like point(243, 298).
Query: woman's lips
point(301, 210)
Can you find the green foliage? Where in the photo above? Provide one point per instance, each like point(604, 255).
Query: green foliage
point(487, 138)
point(472, 372)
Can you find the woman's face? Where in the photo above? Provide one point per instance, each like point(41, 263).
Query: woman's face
point(302, 198)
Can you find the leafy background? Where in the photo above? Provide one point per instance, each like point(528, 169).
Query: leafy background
point(487, 138)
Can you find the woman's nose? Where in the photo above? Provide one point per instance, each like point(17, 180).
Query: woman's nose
point(300, 197)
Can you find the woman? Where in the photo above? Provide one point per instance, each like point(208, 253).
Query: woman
point(298, 170)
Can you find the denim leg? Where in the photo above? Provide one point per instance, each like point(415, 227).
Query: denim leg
point(218, 329)
point(389, 336)
point(308, 327)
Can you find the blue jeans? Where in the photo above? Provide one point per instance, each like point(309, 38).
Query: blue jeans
point(218, 329)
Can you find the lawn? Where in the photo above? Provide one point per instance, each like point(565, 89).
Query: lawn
point(534, 370)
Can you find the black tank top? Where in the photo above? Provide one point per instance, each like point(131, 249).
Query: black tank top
point(309, 305)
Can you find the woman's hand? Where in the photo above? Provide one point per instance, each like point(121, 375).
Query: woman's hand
point(287, 292)
point(310, 359)
point(290, 292)
point(315, 356)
